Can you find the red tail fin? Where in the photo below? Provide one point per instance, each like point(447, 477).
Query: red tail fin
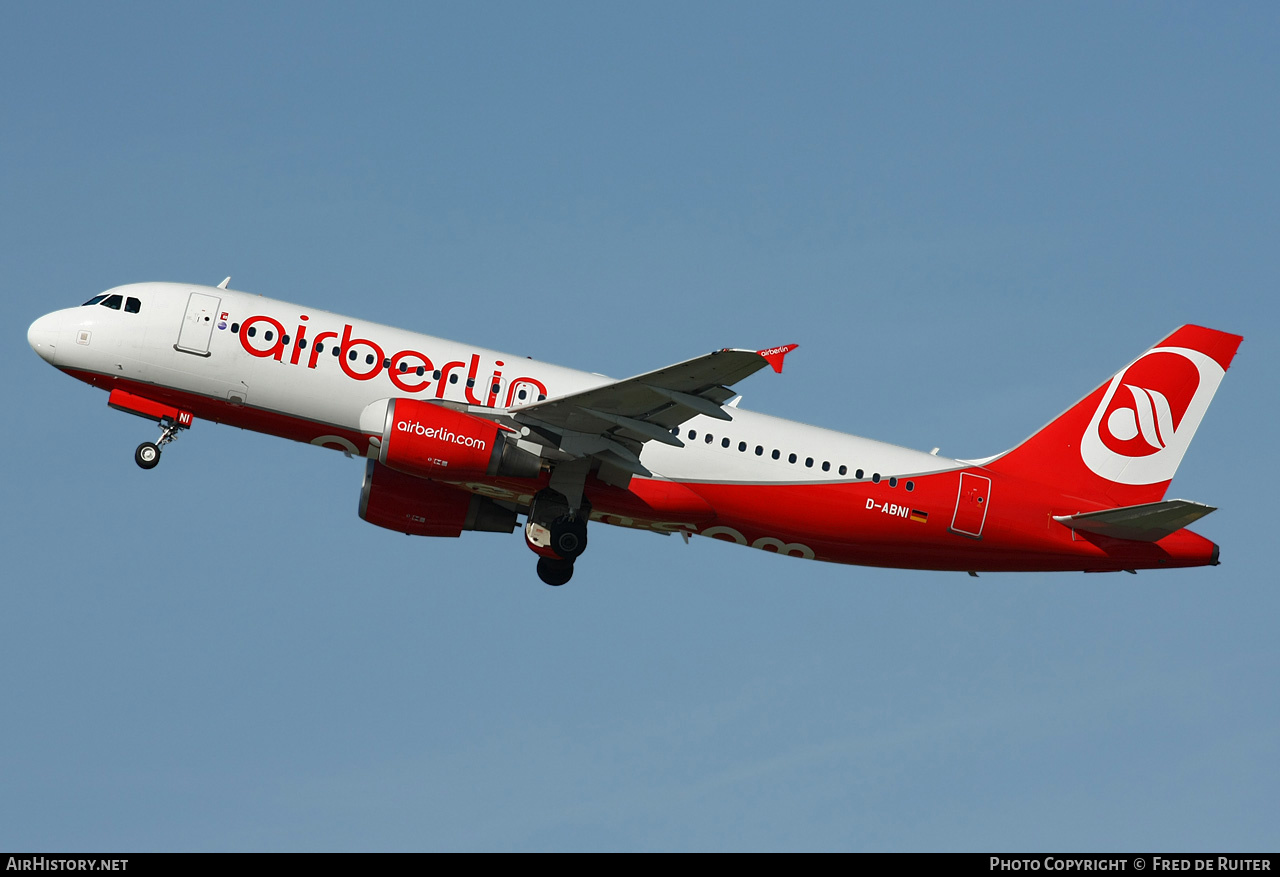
point(1123, 442)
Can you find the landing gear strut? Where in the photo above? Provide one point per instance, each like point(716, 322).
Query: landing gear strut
point(148, 453)
point(557, 534)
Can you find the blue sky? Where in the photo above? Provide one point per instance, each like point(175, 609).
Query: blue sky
point(967, 215)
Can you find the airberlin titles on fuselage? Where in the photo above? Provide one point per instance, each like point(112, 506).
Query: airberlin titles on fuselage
point(410, 371)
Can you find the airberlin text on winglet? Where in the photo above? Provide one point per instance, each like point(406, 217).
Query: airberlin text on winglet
point(775, 355)
point(402, 379)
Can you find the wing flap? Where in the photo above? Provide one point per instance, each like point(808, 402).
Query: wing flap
point(1149, 522)
point(651, 403)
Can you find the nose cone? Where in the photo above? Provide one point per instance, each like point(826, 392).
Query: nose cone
point(43, 337)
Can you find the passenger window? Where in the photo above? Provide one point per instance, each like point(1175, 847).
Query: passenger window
point(808, 462)
point(911, 485)
point(113, 302)
point(742, 447)
point(724, 443)
point(826, 467)
point(791, 458)
point(776, 453)
point(875, 477)
point(132, 305)
point(693, 434)
point(893, 481)
point(858, 474)
point(759, 450)
point(675, 430)
point(709, 438)
point(268, 335)
point(844, 470)
point(235, 327)
point(422, 370)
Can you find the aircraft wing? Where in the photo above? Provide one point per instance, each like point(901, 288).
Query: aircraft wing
point(1149, 522)
point(614, 421)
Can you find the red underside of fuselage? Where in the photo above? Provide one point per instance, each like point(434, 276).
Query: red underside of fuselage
point(852, 522)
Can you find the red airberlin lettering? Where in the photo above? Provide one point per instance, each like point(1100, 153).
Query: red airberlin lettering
point(276, 349)
point(345, 351)
point(316, 347)
point(299, 341)
point(399, 378)
point(402, 368)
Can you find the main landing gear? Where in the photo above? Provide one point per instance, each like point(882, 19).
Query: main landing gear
point(554, 572)
point(147, 455)
point(557, 534)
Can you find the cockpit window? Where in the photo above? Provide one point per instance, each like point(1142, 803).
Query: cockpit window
point(113, 302)
point(132, 305)
point(93, 301)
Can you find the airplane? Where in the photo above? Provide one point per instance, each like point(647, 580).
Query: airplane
point(459, 438)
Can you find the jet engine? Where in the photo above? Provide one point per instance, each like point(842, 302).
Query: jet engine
point(433, 441)
point(419, 507)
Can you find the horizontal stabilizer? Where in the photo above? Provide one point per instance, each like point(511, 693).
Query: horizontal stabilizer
point(1149, 522)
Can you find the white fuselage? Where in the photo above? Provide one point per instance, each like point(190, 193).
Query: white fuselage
point(311, 385)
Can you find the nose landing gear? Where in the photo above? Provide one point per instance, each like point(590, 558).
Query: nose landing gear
point(147, 455)
point(170, 419)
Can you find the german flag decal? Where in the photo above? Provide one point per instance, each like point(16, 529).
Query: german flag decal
point(919, 517)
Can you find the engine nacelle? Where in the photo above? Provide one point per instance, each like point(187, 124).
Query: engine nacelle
point(419, 507)
point(432, 441)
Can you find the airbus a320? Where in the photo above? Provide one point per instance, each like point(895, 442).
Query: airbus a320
point(462, 438)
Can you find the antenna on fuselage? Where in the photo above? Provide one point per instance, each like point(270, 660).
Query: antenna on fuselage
point(223, 284)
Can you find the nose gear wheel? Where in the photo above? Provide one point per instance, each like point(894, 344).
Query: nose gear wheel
point(147, 454)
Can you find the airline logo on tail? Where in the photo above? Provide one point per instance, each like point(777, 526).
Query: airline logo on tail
point(1149, 414)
